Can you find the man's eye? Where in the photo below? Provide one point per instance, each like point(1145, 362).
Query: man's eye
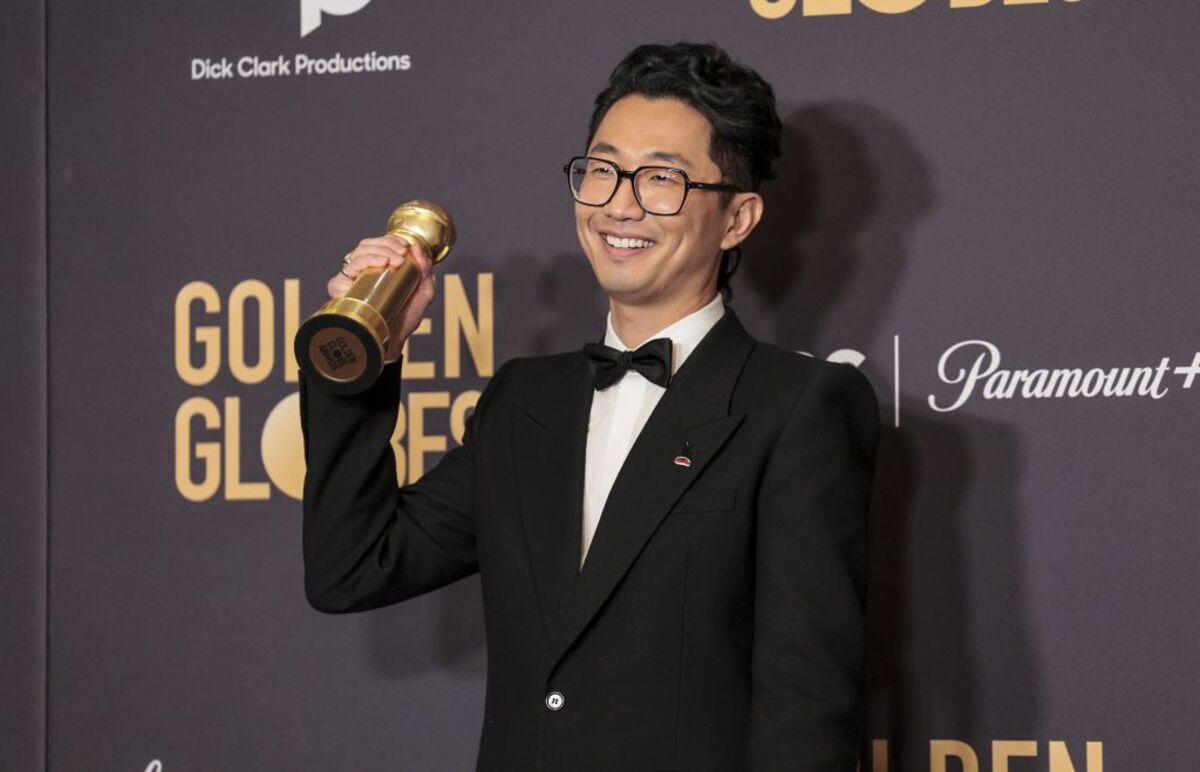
point(665, 179)
point(601, 171)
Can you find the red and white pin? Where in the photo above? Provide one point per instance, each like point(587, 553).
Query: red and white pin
point(684, 458)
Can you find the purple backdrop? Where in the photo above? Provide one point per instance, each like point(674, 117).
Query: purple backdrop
point(990, 209)
point(23, 552)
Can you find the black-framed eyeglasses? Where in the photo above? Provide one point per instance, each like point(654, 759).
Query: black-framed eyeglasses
point(660, 190)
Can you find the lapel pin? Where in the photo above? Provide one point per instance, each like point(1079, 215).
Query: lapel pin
point(684, 458)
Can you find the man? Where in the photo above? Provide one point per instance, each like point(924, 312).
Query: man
point(671, 543)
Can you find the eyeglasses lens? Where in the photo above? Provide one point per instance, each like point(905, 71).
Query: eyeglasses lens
point(660, 190)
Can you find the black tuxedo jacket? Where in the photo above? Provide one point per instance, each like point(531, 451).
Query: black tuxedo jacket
point(718, 622)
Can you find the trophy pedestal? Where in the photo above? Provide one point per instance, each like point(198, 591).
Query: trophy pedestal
point(340, 347)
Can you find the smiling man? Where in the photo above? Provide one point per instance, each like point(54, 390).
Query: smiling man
point(670, 527)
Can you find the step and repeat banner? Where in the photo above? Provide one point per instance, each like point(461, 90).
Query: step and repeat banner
point(989, 206)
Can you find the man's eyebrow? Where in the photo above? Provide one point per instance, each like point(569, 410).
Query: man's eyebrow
point(657, 155)
point(671, 158)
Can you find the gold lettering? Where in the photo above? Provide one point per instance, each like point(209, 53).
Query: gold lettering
point(398, 444)
point(207, 452)
point(478, 331)
point(772, 9)
point(411, 369)
point(208, 336)
point(261, 293)
point(879, 756)
point(827, 7)
point(291, 323)
point(235, 489)
point(777, 9)
point(420, 443)
point(940, 750)
point(458, 413)
point(892, 6)
point(1003, 750)
point(1060, 760)
point(282, 447)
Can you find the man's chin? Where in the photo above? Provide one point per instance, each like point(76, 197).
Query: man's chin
point(623, 291)
point(627, 284)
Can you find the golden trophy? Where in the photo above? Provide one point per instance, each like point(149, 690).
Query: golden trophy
point(341, 347)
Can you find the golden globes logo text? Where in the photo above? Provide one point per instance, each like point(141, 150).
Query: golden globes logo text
point(777, 9)
point(228, 344)
point(1002, 756)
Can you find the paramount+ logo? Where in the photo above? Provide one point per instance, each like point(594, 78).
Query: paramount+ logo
point(311, 10)
point(777, 9)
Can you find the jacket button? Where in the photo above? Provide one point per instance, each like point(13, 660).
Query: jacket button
point(555, 700)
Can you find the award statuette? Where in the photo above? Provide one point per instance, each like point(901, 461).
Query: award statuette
point(341, 346)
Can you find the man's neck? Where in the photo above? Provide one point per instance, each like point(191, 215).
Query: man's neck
point(635, 324)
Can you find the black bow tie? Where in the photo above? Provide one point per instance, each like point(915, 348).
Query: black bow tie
point(652, 359)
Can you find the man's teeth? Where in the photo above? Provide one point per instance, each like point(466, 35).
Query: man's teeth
point(613, 241)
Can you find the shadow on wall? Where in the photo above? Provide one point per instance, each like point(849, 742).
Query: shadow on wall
point(832, 244)
point(950, 653)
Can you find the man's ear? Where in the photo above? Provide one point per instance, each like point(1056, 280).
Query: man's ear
point(745, 210)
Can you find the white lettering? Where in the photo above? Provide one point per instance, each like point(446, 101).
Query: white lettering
point(207, 69)
point(341, 64)
point(282, 66)
point(1071, 383)
point(990, 354)
point(253, 67)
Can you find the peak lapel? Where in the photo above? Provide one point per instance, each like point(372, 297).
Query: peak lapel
point(549, 449)
point(694, 409)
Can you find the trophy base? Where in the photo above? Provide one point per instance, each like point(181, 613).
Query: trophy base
point(339, 354)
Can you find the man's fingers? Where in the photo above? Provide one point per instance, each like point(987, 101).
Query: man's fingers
point(338, 286)
point(390, 251)
point(416, 251)
point(367, 259)
point(388, 243)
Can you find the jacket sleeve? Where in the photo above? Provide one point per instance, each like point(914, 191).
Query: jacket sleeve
point(808, 663)
point(368, 542)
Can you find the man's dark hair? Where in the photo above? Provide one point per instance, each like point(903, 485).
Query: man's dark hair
point(738, 103)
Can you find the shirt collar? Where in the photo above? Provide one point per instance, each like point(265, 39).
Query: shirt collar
point(685, 333)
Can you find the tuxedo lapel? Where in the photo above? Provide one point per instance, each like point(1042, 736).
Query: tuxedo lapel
point(549, 450)
point(693, 410)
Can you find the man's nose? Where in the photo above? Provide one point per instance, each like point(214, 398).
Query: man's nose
point(623, 205)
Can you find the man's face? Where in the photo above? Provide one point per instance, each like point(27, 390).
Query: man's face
point(678, 269)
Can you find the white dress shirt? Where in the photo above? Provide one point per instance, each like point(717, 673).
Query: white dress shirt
point(620, 411)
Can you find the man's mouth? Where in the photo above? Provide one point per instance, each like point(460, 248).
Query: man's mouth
point(624, 242)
